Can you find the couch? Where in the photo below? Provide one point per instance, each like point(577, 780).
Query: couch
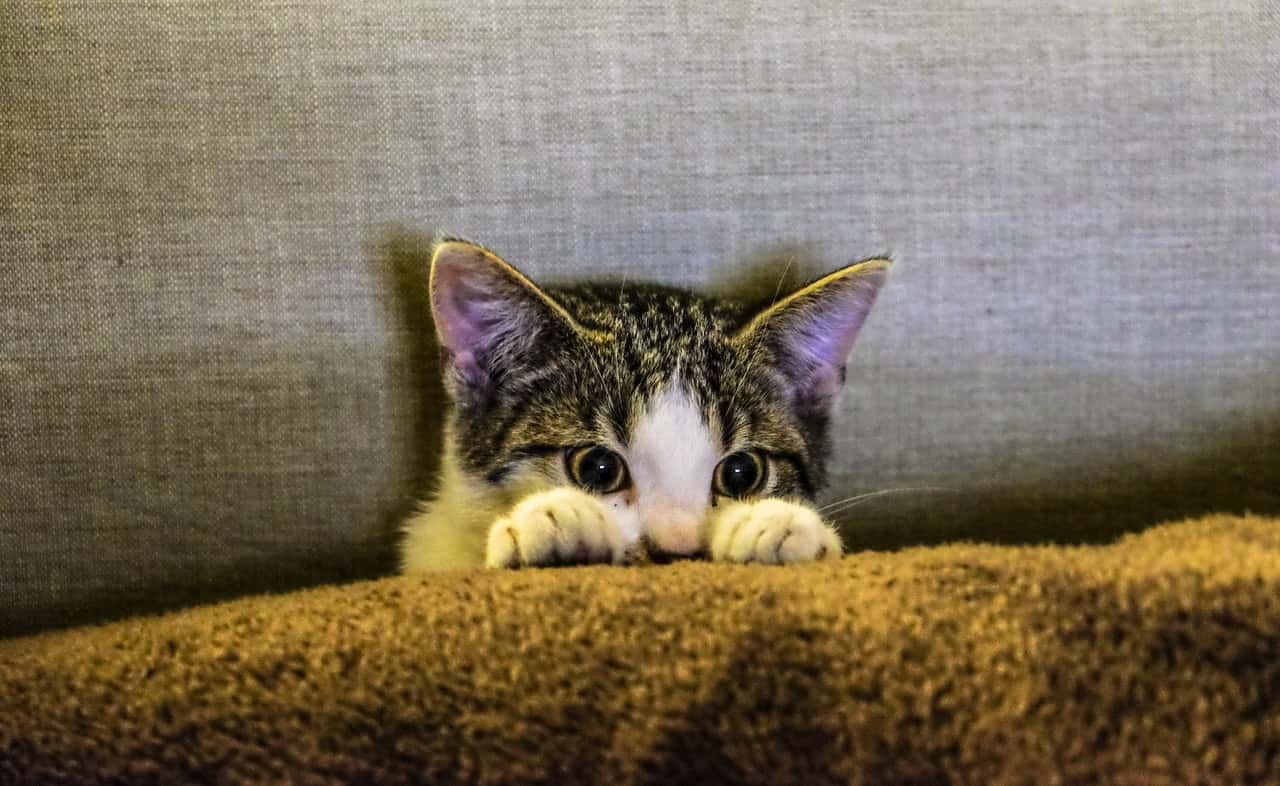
point(217, 375)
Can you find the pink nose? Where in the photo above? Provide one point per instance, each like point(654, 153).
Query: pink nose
point(675, 531)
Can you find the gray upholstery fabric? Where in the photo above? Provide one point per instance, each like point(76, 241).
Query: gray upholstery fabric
point(215, 375)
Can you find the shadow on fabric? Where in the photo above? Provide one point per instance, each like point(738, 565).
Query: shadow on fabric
point(1239, 473)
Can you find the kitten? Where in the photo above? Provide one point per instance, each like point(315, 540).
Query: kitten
point(590, 423)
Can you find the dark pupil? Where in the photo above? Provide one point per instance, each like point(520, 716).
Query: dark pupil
point(599, 469)
point(739, 474)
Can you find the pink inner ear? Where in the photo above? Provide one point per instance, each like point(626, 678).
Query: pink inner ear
point(815, 354)
point(818, 334)
point(460, 313)
point(485, 315)
point(827, 337)
point(468, 303)
point(817, 343)
point(471, 315)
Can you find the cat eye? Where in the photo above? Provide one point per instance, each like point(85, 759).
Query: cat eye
point(739, 474)
point(596, 468)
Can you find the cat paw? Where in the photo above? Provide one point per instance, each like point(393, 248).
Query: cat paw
point(773, 532)
point(558, 527)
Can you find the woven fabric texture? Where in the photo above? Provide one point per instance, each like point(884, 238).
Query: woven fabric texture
point(215, 366)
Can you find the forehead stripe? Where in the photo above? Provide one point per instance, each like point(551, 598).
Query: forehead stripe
point(535, 449)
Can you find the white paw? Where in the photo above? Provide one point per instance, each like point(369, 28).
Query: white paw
point(557, 527)
point(774, 532)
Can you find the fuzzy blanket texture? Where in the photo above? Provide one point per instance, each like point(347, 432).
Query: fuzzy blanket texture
point(1152, 660)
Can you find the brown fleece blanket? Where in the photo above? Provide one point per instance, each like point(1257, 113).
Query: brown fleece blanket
point(1152, 660)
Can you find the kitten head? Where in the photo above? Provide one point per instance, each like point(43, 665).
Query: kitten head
point(661, 401)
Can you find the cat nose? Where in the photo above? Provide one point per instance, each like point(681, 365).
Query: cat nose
point(675, 531)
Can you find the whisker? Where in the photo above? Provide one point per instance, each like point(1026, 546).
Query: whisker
point(777, 290)
point(599, 371)
point(841, 505)
point(590, 356)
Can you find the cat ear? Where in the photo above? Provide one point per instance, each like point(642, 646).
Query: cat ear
point(487, 315)
point(811, 331)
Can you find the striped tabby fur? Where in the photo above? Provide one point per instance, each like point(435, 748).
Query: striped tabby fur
point(670, 381)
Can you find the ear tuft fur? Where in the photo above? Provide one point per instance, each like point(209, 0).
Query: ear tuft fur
point(487, 314)
point(811, 331)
